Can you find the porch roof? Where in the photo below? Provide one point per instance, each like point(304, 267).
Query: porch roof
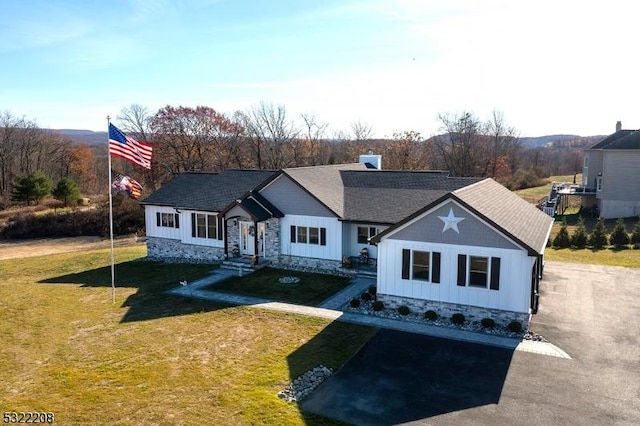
point(258, 207)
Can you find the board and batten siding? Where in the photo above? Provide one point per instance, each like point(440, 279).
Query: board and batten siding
point(350, 245)
point(331, 251)
point(183, 233)
point(515, 276)
point(290, 198)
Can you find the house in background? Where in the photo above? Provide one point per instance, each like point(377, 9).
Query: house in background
point(413, 226)
point(611, 173)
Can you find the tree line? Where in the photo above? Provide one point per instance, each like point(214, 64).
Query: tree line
point(187, 139)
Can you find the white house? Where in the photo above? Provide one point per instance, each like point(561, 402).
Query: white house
point(439, 241)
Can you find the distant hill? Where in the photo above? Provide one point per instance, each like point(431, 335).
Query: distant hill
point(561, 140)
point(84, 136)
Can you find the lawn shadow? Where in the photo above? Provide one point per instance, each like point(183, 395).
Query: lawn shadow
point(152, 280)
point(400, 377)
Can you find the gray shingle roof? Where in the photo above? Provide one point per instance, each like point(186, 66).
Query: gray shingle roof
point(388, 196)
point(508, 212)
point(324, 183)
point(207, 191)
point(622, 139)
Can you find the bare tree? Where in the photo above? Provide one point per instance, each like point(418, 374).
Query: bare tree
point(461, 148)
point(270, 135)
point(502, 143)
point(309, 148)
point(136, 119)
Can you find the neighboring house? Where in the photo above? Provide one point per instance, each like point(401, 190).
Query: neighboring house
point(612, 172)
point(316, 217)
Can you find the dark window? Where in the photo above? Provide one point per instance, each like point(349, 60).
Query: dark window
point(478, 270)
point(495, 273)
point(302, 234)
point(462, 270)
point(435, 267)
point(406, 263)
point(314, 236)
point(421, 265)
point(363, 234)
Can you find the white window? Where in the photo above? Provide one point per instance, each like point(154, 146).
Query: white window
point(309, 235)
point(167, 220)
point(421, 265)
point(204, 225)
point(366, 232)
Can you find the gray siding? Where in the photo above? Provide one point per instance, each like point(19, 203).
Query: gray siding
point(289, 198)
point(473, 232)
point(595, 166)
point(621, 175)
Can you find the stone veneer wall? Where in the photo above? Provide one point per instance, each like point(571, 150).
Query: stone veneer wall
point(272, 239)
point(445, 310)
point(166, 249)
point(233, 234)
point(309, 264)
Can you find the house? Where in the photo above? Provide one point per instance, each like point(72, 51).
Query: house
point(316, 217)
point(611, 175)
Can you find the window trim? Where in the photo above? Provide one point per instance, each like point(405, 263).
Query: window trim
point(492, 273)
point(321, 239)
point(369, 231)
point(167, 220)
point(433, 268)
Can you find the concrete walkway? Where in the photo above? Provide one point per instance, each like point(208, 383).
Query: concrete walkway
point(329, 309)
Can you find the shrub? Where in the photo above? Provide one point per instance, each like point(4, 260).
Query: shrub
point(404, 310)
point(431, 315)
point(579, 237)
point(562, 239)
point(378, 305)
point(373, 290)
point(598, 239)
point(635, 235)
point(366, 296)
point(515, 326)
point(457, 319)
point(487, 323)
point(619, 237)
point(354, 302)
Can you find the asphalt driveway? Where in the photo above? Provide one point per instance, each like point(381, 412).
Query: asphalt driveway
point(589, 311)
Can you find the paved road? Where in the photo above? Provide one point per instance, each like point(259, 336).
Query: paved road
point(589, 311)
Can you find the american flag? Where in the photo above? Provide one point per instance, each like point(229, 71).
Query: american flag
point(125, 184)
point(120, 145)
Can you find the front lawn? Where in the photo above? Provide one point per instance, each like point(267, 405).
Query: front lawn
point(311, 290)
point(150, 358)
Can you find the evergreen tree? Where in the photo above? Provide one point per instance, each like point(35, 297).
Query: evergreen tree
point(619, 237)
point(635, 235)
point(562, 237)
point(32, 187)
point(598, 238)
point(66, 190)
point(579, 237)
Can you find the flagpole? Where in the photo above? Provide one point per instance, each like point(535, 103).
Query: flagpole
point(113, 257)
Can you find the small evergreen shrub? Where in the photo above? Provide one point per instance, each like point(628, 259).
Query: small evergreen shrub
point(487, 323)
point(514, 327)
point(579, 237)
point(373, 290)
point(378, 305)
point(619, 237)
point(355, 303)
point(366, 296)
point(431, 315)
point(404, 310)
point(457, 319)
point(562, 239)
point(635, 235)
point(598, 238)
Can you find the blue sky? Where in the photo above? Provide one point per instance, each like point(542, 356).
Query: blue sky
point(549, 66)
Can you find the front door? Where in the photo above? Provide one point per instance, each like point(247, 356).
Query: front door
point(247, 238)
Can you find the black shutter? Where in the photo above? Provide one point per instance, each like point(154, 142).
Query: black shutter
point(406, 260)
point(435, 268)
point(193, 225)
point(462, 269)
point(158, 219)
point(323, 236)
point(220, 227)
point(177, 220)
point(293, 234)
point(495, 273)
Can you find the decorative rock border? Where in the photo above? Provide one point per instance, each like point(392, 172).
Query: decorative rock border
point(305, 384)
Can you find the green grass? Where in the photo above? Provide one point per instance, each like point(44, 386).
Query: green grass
point(150, 358)
point(311, 290)
point(628, 257)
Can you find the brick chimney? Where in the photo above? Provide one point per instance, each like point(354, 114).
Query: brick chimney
point(618, 126)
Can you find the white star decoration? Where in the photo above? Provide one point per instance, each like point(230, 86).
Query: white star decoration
point(451, 221)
